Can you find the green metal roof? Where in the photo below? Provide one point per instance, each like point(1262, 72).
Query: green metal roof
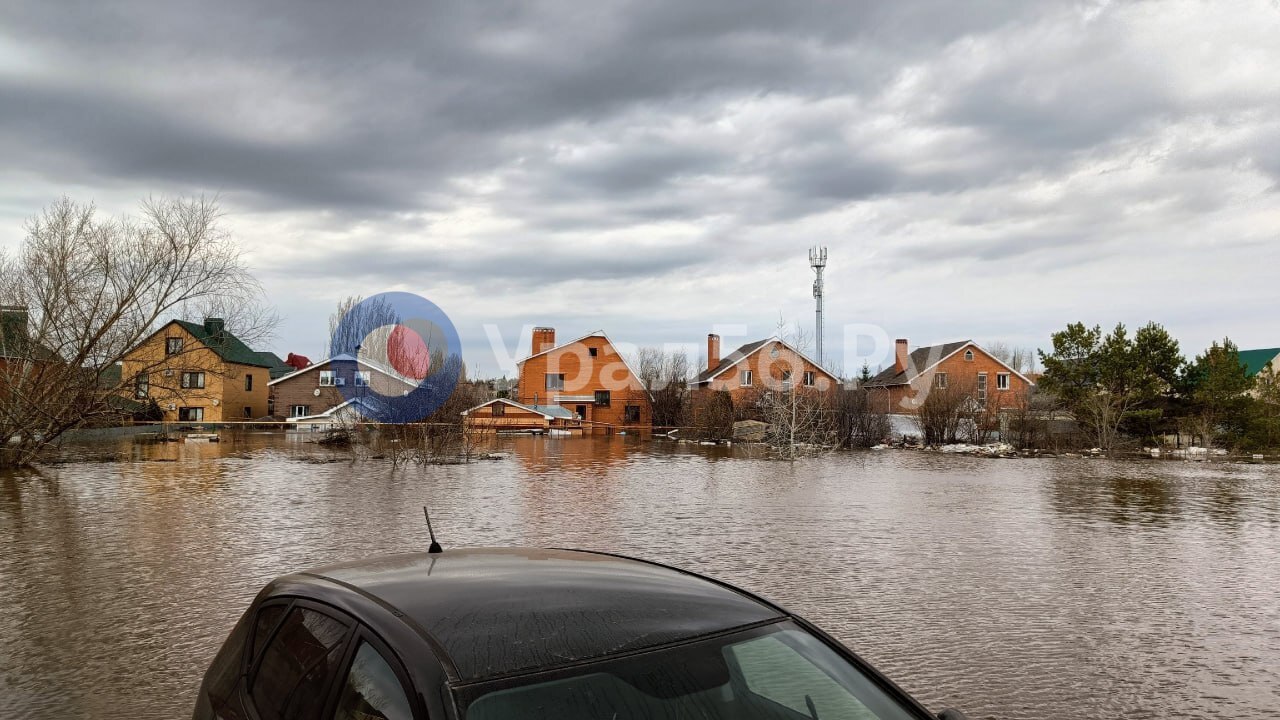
point(228, 347)
point(1256, 360)
point(277, 367)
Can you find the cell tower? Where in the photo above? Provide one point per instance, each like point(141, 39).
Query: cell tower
point(818, 261)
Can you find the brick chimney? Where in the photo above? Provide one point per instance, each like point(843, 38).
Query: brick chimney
point(13, 325)
point(544, 338)
point(214, 326)
point(900, 356)
point(713, 352)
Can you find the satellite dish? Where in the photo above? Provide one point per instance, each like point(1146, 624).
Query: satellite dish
point(316, 392)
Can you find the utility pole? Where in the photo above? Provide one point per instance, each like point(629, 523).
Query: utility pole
point(818, 261)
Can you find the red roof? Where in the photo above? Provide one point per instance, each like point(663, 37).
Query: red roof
point(297, 362)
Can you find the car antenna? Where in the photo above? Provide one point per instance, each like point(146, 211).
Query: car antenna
point(434, 548)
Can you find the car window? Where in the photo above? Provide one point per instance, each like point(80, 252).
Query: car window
point(774, 673)
point(372, 691)
point(787, 668)
point(291, 678)
point(267, 619)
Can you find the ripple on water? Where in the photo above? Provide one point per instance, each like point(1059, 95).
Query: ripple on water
point(1011, 589)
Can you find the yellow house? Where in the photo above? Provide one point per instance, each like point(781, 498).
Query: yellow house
point(199, 373)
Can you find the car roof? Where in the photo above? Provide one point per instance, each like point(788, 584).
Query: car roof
point(498, 612)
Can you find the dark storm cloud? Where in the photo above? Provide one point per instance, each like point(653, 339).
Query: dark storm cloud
point(411, 95)
point(693, 145)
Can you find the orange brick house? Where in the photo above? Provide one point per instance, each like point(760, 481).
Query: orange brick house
point(588, 377)
point(769, 364)
point(902, 387)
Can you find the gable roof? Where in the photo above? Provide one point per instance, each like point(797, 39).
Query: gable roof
point(346, 358)
point(599, 334)
point(1255, 360)
point(542, 410)
point(276, 367)
point(924, 359)
point(227, 346)
point(747, 351)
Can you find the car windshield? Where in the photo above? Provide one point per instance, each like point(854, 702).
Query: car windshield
point(778, 672)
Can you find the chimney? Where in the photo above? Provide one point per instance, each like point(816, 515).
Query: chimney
point(713, 352)
point(900, 356)
point(544, 338)
point(214, 326)
point(13, 325)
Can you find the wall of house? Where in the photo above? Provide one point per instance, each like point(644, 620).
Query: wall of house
point(301, 389)
point(583, 376)
point(767, 364)
point(223, 382)
point(511, 418)
point(960, 373)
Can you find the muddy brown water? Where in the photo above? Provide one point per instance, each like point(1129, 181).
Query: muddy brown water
point(1065, 588)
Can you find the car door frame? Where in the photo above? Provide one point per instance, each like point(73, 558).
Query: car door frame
point(364, 633)
point(252, 664)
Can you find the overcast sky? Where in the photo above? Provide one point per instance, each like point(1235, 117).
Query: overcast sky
point(986, 170)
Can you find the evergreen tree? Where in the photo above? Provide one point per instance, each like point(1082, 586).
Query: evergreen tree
point(1219, 384)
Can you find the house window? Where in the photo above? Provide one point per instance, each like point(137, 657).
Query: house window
point(968, 355)
point(190, 414)
point(593, 351)
point(498, 409)
point(940, 380)
point(193, 380)
point(327, 378)
point(810, 378)
point(1002, 381)
point(300, 411)
point(786, 378)
point(581, 410)
point(141, 386)
point(362, 378)
point(248, 412)
point(745, 381)
point(982, 389)
point(555, 381)
point(172, 346)
point(631, 414)
point(602, 398)
point(248, 383)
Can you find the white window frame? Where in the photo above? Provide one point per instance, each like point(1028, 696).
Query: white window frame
point(362, 378)
point(940, 380)
point(982, 389)
point(191, 380)
point(968, 356)
point(786, 378)
point(328, 378)
point(1002, 381)
point(199, 411)
point(299, 411)
point(810, 378)
point(557, 385)
point(172, 345)
point(744, 380)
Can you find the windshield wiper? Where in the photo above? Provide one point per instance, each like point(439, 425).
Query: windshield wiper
point(813, 711)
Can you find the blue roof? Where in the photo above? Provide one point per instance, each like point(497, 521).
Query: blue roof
point(555, 411)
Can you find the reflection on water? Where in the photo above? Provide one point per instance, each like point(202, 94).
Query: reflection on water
point(1009, 588)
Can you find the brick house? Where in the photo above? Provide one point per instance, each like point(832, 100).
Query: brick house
point(901, 387)
point(319, 388)
point(588, 377)
point(198, 373)
point(760, 366)
point(503, 415)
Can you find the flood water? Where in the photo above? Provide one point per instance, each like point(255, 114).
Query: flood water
point(1051, 588)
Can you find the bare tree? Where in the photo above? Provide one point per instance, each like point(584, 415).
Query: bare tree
point(84, 290)
point(857, 423)
point(666, 376)
point(799, 419)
